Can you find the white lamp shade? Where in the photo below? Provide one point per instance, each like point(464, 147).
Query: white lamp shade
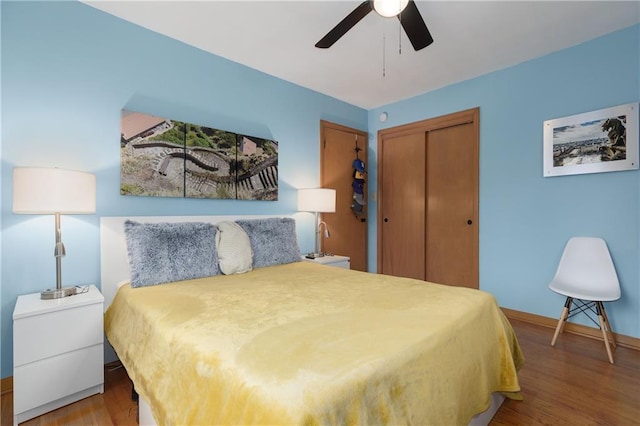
point(321, 200)
point(389, 8)
point(42, 190)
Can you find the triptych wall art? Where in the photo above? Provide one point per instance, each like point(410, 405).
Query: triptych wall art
point(168, 158)
point(598, 141)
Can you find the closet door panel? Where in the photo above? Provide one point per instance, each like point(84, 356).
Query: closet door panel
point(451, 223)
point(402, 206)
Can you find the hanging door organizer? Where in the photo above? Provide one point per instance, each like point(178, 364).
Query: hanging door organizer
point(358, 205)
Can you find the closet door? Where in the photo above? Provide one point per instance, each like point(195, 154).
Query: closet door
point(451, 229)
point(402, 205)
point(428, 200)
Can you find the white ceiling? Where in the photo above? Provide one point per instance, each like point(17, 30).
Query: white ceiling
point(471, 38)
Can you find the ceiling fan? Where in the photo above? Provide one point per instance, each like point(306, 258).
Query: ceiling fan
point(406, 11)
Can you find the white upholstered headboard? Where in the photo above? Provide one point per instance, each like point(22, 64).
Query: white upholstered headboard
point(114, 262)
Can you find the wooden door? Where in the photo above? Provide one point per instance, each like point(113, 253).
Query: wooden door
point(348, 231)
point(402, 197)
point(435, 236)
point(451, 232)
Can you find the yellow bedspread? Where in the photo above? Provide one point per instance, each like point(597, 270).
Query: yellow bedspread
point(313, 345)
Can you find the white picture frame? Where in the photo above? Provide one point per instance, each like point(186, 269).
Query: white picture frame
point(605, 140)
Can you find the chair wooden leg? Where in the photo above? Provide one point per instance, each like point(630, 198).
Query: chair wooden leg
point(563, 319)
point(605, 331)
point(612, 337)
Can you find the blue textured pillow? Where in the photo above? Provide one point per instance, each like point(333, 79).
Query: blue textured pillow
point(273, 240)
point(166, 252)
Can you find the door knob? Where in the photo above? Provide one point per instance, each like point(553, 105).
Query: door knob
point(469, 222)
point(386, 219)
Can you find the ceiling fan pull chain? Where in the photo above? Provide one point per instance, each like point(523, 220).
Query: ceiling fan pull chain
point(384, 56)
point(400, 34)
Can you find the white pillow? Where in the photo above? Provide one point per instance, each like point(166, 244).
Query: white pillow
point(234, 248)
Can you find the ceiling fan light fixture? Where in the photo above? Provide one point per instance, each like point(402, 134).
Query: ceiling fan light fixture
point(405, 10)
point(389, 8)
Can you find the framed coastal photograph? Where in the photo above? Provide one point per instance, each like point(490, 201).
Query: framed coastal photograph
point(605, 140)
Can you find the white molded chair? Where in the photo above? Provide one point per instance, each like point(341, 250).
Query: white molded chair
point(587, 277)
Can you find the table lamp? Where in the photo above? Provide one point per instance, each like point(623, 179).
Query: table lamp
point(41, 190)
point(317, 200)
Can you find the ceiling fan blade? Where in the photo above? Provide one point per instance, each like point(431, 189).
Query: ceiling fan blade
point(345, 25)
point(415, 27)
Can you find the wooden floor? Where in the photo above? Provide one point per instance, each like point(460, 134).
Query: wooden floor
point(571, 384)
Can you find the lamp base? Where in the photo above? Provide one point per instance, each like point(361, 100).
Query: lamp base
point(57, 293)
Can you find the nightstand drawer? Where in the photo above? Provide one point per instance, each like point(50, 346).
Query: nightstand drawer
point(346, 264)
point(42, 336)
point(40, 383)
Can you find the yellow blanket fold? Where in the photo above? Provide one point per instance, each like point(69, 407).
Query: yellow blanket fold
point(313, 345)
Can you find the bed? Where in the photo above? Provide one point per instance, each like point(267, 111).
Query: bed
point(301, 343)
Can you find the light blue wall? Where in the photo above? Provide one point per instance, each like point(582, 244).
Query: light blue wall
point(67, 71)
point(526, 219)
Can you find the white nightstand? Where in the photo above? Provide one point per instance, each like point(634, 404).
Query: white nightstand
point(57, 352)
point(337, 261)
